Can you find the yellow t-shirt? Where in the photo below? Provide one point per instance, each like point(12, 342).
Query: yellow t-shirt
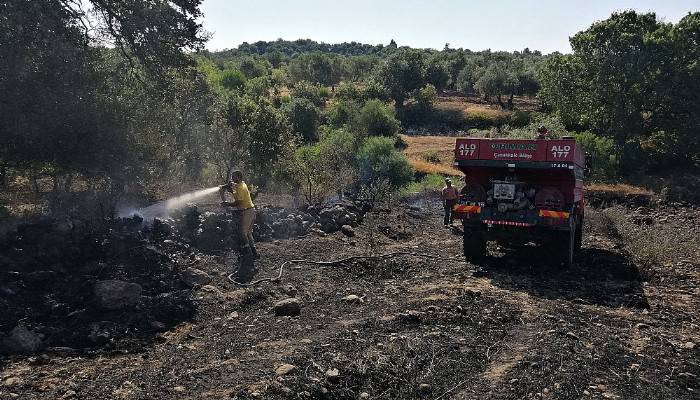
point(241, 195)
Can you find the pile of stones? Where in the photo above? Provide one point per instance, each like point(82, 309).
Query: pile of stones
point(73, 283)
point(210, 230)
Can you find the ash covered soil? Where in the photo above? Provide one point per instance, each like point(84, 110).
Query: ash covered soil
point(516, 326)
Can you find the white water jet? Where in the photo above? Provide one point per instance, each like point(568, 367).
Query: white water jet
point(162, 208)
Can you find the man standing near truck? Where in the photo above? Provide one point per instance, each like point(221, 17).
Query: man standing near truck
point(449, 196)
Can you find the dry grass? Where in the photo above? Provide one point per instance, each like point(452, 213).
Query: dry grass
point(442, 146)
point(479, 114)
point(485, 113)
point(429, 168)
point(646, 250)
point(472, 102)
point(623, 189)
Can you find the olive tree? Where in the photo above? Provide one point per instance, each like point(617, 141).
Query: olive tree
point(248, 134)
point(304, 118)
point(630, 78)
point(496, 81)
point(402, 73)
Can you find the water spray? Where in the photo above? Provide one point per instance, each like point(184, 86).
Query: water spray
point(164, 207)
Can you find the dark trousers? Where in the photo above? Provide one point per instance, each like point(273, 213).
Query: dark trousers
point(448, 210)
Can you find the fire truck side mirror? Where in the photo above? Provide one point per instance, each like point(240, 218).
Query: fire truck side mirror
point(588, 168)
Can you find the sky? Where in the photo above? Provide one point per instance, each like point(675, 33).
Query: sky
point(509, 25)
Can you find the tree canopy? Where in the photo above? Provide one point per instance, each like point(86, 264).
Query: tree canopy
point(632, 78)
point(63, 102)
point(122, 92)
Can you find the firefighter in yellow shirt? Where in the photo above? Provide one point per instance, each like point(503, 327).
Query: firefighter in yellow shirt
point(243, 204)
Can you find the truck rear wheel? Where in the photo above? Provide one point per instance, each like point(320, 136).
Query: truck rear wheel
point(566, 245)
point(474, 243)
point(578, 239)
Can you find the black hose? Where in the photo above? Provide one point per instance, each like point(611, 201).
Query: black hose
point(335, 262)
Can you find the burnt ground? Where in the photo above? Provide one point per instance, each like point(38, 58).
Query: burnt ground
point(616, 325)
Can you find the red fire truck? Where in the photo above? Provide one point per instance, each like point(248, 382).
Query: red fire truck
point(521, 191)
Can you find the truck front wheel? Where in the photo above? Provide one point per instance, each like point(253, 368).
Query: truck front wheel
point(474, 243)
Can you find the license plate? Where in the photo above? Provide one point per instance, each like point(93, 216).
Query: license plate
point(504, 191)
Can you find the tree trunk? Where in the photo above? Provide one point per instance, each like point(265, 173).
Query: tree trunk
point(510, 102)
point(398, 107)
point(68, 182)
point(3, 175)
point(310, 193)
point(35, 181)
point(500, 102)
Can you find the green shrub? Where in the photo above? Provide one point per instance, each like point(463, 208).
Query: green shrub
point(304, 117)
point(423, 111)
point(233, 79)
point(374, 90)
point(519, 118)
point(554, 125)
point(349, 91)
point(378, 160)
point(429, 182)
point(432, 157)
point(309, 91)
point(671, 148)
point(322, 169)
point(324, 93)
point(636, 159)
point(258, 87)
point(376, 119)
point(552, 121)
point(467, 77)
point(606, 161)
point(254, 67)
point(400, 144)
point(284, 99)
point(485, 117)
point(341, 113)
point(356, 92)
point(427, 97)
point(436, 118)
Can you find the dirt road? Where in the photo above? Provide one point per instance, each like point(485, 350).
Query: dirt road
point(515, 327)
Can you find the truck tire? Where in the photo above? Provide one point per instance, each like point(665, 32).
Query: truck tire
point(474, 244)
point(578, 239)
point(566, 245)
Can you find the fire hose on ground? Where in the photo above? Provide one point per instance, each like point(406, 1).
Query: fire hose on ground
point(336, 262)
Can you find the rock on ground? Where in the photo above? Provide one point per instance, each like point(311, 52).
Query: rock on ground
point(333, 375)
point(424, 388)
point(194, 277)
point(285, 369)
point(115, 294)
point(288, 307)
point(11, 381)
point(101, 332)
point(347, 230)
point(22, 341)
point(352, 298)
